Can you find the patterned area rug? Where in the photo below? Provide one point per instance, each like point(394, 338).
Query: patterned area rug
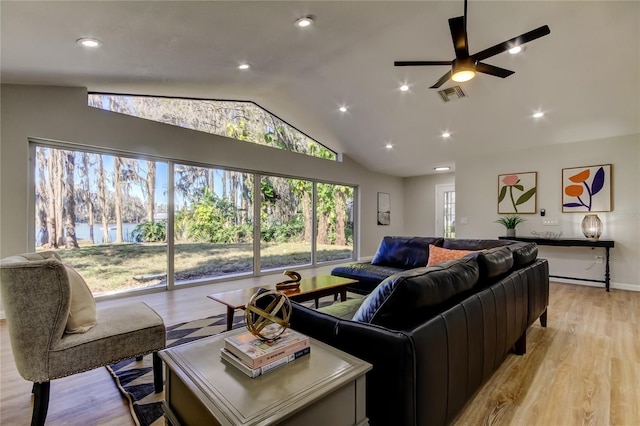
point(135, 378)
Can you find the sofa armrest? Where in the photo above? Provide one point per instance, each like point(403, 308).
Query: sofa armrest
point(390, 352)
point(538, 289)
point(368, 275)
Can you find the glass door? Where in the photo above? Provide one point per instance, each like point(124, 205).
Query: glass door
point(445, 211)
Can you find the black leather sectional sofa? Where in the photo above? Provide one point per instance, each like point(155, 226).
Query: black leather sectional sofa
point(434, 334)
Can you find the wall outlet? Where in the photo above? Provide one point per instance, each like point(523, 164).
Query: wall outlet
point(599, 259)
point(551, 221)
point(464, 220)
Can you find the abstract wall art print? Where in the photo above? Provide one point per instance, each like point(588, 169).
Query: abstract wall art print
point(586, 189)
point(517, 192)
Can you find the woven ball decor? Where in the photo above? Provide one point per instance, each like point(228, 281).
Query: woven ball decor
point(271, 322)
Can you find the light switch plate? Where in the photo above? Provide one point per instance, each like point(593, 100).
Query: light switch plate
point(550, 221)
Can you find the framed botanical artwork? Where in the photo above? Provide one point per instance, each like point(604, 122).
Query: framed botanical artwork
point(384, 208)
point(586, 189)
point(517, 193)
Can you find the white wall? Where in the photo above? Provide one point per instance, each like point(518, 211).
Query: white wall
point(61, 113)
point(420, 203)
point(477, 193)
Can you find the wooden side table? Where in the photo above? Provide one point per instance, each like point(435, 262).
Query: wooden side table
point(326, 387)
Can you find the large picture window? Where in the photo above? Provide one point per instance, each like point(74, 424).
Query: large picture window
point(285, 222)
point(107, 216)
point(334, 213)
point(213, 230)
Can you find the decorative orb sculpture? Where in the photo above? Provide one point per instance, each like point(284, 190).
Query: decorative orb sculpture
point(268, 323)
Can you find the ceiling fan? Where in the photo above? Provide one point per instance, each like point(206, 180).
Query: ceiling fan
point(465, 66)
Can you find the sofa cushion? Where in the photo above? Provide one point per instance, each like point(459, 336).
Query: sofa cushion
point(364, 270)
point(523, 253)
point(469, 244)
point(82, 311)
point(411, 295)
point(404, 252)
point(343, 310)
point(368, 275)
point(494, 262)
point(439, 254)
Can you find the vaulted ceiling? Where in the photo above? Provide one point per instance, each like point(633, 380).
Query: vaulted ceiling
point(584, 76)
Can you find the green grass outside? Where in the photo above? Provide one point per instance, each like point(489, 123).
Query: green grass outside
point(111, 268)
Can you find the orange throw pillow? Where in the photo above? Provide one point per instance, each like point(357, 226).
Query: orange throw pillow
point(439, 254)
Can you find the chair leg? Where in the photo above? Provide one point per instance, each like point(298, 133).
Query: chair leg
point(40, 403)
point(157, 373)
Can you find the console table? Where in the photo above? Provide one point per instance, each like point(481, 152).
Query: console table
point(569, 242)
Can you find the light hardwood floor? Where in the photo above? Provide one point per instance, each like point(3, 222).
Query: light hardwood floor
point(584, 368)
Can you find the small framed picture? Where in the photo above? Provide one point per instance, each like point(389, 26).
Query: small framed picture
point(586, 189)
point(384, 208)
point(517, 193)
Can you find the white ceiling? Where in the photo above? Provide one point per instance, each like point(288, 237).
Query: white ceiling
point(584, 75)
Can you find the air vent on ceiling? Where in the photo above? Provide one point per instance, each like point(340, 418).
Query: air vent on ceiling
point(452, 93)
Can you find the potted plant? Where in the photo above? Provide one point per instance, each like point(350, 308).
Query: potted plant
point(510, 222)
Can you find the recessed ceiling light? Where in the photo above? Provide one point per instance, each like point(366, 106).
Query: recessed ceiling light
point(515, 49)
point(244, 66)
point(342, 109)
point(446, 134)
point(305, 22)
point(89, 42)
point(442, 169)
point(404, 87)
point(388, 145)
point(538, 114)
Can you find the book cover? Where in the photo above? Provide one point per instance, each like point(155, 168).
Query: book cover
point(255, 352)
point(255, 372)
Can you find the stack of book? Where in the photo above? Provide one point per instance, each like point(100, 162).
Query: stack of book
point(254, 356)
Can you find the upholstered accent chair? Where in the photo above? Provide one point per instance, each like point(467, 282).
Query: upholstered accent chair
point(36, 295)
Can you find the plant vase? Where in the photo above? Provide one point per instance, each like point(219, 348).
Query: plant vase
point(511, 232)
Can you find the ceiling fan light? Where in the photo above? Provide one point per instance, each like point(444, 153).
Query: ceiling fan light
point(463, 70)
point(461, 76)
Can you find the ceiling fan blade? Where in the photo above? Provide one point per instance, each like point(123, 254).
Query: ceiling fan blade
point(459, 37)
point(493, 70)
point(419, 63)
point(442, 80)
point(516, 41)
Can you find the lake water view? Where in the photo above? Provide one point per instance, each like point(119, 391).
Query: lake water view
point(82, 232)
